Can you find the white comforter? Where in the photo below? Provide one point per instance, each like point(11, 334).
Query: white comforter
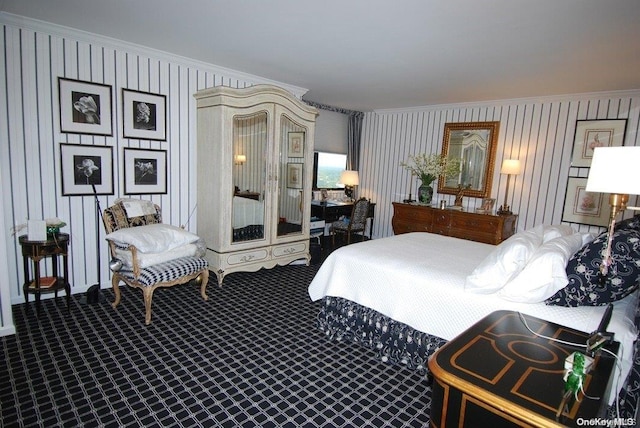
point(418, 279)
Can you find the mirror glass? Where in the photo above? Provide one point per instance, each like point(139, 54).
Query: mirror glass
point(248, 170)
point(474, 145)
point(290, 193)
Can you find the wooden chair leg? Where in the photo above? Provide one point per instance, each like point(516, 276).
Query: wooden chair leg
point(115, 281)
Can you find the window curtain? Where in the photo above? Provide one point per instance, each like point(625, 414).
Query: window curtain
point(354, 132)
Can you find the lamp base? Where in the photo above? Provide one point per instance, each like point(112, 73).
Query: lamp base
point(348, 191)
point(504, 210)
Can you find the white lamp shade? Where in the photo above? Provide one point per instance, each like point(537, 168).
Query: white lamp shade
point(241, 158)
point(615, 170)
point(349, 178)
point(510, 166)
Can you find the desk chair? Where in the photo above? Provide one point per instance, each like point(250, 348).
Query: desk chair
point(356, 223)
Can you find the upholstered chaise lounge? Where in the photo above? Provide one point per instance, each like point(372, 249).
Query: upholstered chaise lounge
point(152, 254)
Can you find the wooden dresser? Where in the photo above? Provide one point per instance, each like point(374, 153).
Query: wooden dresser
point(487, 228)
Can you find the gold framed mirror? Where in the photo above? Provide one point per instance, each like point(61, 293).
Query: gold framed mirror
point(474, 145)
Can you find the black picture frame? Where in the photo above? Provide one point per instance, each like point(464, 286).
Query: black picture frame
point(85, 107)
point(144, 115)
point(145, 171)
point(84, 166)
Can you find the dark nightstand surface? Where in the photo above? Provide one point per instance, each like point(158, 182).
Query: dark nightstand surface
point(497, 372)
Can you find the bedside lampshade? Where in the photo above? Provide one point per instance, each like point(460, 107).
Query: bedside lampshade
point(614, 170)
point(350, 179)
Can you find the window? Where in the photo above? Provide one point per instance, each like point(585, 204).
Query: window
point(327, 168)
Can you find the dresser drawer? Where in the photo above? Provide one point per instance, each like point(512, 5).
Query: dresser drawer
point(406, 226)
point(475, 222)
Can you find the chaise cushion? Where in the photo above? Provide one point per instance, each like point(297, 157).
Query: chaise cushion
point(167, 271)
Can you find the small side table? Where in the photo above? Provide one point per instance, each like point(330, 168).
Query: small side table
point(32, 253)
point(498, 374)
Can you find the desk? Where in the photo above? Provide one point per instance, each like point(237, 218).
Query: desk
point(32, 253)
point(330, 211)
point(498, 374)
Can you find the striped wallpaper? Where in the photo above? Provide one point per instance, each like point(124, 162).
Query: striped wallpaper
point(539, 132)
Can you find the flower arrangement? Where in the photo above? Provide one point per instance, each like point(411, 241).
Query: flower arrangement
point(428, 167)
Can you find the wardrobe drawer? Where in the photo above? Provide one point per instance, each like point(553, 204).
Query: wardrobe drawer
point(247, 256)
point(289, 249)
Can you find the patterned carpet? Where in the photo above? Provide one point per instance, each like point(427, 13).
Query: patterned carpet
point(249, 356)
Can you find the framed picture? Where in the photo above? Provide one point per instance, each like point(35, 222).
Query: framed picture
point(487, 206)
point(85, 107)
point(84, 167)
point(144, 115)
point(585, 207)
point(296, 145)
point(294, 175)
point(145, 171)
point(595, 133)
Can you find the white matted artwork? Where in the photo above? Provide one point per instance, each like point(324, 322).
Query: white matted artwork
point(145, 171)
point(584, 207)
point(85, 107)
point(595, 133)
point(85, 168)
point(144, 115)
point(296, 145)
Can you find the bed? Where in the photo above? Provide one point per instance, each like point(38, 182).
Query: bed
point(405, 296)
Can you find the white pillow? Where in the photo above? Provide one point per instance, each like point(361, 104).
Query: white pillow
point(555, 231)
point(150, 259)
point(545, 273)
point(153, 238)
point(504, 262)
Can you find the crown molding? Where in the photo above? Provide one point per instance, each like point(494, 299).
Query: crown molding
point(630, 93)
point(61, 31)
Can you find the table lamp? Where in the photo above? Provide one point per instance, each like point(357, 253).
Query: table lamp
point(350, 179)
point(509, 167)
point(614, 170)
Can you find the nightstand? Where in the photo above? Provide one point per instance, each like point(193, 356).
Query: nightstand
point(499, 374)
point(33, 252)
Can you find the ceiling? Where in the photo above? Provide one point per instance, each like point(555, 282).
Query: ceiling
point(381, 54)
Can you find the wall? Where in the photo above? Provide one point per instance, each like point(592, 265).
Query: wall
point(539, 132)
point(34, 55)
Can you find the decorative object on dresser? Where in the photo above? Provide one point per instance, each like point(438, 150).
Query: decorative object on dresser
point(490, 229)
point(152, 254)
point(275, 132)
point(509, 167)
point(474, 145)
point(519, 381)
point(428, 167)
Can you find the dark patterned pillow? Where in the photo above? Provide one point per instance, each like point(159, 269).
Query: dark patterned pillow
point(586, 286)
point(630, 223)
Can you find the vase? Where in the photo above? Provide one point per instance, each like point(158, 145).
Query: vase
point(425, 193)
